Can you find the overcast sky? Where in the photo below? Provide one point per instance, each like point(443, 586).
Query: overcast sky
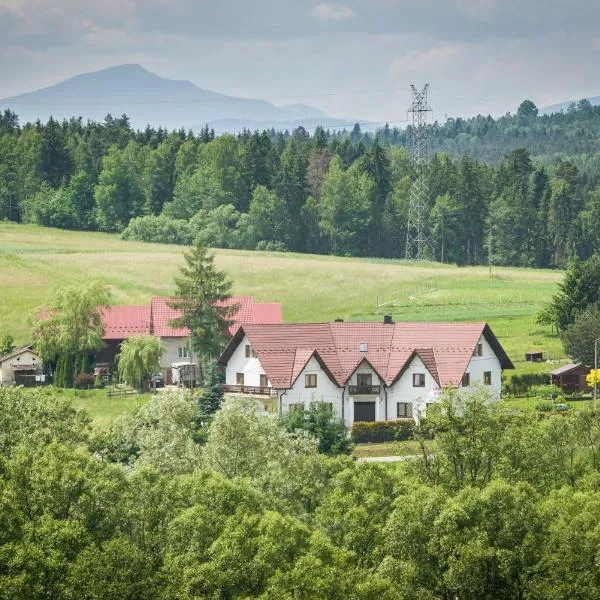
point(356, 58)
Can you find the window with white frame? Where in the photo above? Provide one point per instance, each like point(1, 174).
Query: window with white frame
point(183, 352)
point(478, 350)
point(404, 410)
point(466, 380)
point(249, 351)
point(487, 378)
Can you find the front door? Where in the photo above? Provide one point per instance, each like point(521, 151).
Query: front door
point(364, 411)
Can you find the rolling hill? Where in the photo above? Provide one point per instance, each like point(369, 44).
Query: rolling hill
point(34, 260)
point(150, 99)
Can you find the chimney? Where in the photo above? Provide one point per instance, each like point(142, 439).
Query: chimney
point(387, 320)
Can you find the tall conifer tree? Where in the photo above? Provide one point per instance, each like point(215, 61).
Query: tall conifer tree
point(202, 292)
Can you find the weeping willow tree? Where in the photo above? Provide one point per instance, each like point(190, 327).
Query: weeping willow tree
point(70, 328)
point(139, 358)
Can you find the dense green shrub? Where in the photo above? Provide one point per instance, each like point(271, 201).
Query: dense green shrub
point(159, 229)
point(545, 406)
point(519, 384)
point(382, 431)
point(322, 423)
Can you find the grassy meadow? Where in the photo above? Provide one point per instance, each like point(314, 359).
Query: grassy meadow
point(34, 260)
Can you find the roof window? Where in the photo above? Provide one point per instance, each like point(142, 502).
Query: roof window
point(363, 347)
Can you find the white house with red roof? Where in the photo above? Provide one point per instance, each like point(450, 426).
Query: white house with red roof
point(121, 322)
point(366, 371)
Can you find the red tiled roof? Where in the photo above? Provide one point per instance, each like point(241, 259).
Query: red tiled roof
point(444, 348)
point(248, 312)
point(121, 322)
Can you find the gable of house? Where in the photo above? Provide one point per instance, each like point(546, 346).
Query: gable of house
point(20, 360)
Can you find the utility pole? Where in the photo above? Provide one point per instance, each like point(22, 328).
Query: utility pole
point(491, 245)
point(596, 369)
point(419, 238)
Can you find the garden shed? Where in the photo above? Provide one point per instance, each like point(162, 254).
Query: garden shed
point(571, 378)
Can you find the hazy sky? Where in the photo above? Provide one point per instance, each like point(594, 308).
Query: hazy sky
point(355, 58)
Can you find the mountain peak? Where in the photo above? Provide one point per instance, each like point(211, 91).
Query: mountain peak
point(148, 98)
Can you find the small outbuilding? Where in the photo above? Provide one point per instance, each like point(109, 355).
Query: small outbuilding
point(571, 378)
point(534, 356)
point(22, 366)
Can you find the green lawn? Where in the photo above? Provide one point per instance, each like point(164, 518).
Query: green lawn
point(529, 404)
point(101, 408)
point(404, 448)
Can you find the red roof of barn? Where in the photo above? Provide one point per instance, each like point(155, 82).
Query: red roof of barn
point(444, 348)
point(248, 312)
point(121, 322)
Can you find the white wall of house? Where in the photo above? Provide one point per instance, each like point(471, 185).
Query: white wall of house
point(240, 363)
point(326, 390)
point(404, 390)
point(26, 358)
point(488, 361)
point(171, 355)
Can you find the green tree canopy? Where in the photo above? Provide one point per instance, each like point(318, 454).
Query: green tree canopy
point(579, 289)
point(72, 324)
point(579, 337)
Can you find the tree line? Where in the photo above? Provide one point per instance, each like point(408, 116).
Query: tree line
point(344, 193)
point(505, 507)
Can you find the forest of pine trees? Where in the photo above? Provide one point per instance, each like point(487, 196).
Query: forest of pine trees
point(524, 187)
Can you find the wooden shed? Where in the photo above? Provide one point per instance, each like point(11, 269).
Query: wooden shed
point(534, 356)
point(571, 378)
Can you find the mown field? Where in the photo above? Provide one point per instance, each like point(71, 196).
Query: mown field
point(34, 260)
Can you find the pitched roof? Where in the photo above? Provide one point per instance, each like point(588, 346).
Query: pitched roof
point(16, 352)
point(565, 369)
point(121, 322)
point(247, 312)
point(444, 348)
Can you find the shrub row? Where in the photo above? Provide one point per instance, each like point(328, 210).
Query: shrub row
point(518, 384)
point(382, 431)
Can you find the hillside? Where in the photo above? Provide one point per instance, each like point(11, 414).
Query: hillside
point(311, 288)
point(150, 99)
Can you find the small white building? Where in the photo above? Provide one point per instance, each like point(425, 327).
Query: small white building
point(22, 366)
point(365, 371)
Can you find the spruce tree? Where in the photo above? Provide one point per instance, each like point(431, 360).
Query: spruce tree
point(202, 292)
point(212, 395)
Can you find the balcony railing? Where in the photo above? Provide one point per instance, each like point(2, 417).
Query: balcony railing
point(251, 390)
point(365, 390)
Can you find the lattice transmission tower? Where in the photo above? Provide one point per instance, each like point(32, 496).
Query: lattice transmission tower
point(419, 237)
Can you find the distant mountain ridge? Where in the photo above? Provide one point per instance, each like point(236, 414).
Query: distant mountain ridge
point(148, 98)
point(564, 106)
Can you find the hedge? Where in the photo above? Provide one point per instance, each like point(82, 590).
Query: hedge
point(382, 431)
point(518, 384)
